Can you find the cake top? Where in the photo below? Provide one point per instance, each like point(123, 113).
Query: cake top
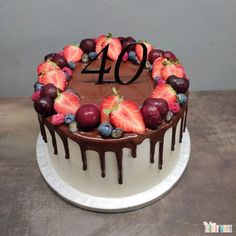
point(109, 87)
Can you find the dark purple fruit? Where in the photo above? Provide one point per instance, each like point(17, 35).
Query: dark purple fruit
point(151, 116)
point(169, 55)
point(180, 85)
point(127, 42)
point(49, 90)
point(122, 39)
point(88, 45)
point(160, 103)
point(88, 116)
point(57, 59)
point(44, 106)
point(154, 54)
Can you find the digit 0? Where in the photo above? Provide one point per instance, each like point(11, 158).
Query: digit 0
point(141, 67)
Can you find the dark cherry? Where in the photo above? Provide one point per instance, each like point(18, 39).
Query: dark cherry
point(160, 103)
point(169, 55)
point(88, 116)
point(127, 42)
point(180, 85)
point(57, 58)
point(49, 90)
point(151, 116)
point(44, 106)
point(122, 39)
point(88, 45)
point(154, 54)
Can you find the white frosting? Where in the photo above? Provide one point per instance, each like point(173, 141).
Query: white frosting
point(138, 173)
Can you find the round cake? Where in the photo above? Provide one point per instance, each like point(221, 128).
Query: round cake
point(112, 108)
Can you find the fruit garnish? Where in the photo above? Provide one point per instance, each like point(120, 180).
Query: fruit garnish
point(49, 90)
point(107, 104)
point(117, 133)
point(127, 41)
point(170, 56)
point(58, 119)
point(36, 95)
point(128, 117)
point(56, 77)
point(67, 102)
point(181, 98)
point(44, 106)
point(174, 107)
point(157, 66)
point(180, 85)
point(164, 91)
point(47, 66)
point(38, 86)
point(88, 116)
point(72, 53)
point(139, 49)
point(85, 58)
point(56, 58)
point(105, 129)
point(73, 127)
point(172, 68)
point(160, 103)
point(92, 55)
point(69, 118)
point(88, 45)
point(151, 116)
point(114, 49)
point(154, 54)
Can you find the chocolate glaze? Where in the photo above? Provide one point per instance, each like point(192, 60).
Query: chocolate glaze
point(84, 85)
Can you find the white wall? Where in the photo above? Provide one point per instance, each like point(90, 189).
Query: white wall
point(202, 33)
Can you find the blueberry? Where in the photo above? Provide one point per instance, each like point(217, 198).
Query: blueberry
point(69, 118)
point(132, 56)
point(169, 116)
point(85, 58)
point(73, 127)
point(72, 65)
point(117, 133)
point(38, 86)
point(156, 80)
point(181, 98)
point(92, 55)
point(105, 129)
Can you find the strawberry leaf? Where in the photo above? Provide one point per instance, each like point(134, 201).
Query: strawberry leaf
point(107, 111)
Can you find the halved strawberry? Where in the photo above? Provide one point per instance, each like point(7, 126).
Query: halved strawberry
point(115, 46)
point(171, 68)
point(166, 92)
point(157, 66)
point(56, 77)
point(46, 66)
point(66, 102)
point(128, 117)
point(139, 49)
point(72, 53)
point(107, 103)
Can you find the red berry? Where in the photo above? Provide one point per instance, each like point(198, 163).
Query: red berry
point(154, 54)
point(44, 106)
point(151, 116)
point(88, 45)
point(160, 103)
point(169, 55)
point(180, 85)
point(88, 116)
point(49, 90)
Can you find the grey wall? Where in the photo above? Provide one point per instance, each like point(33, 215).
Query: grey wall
point(202, 33)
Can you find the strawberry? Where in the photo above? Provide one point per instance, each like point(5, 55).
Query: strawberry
point(66, 102)
point(46, 66)
point(72, 53)
point(56, 77)
point(107, 103)
point(128, 117)
point(172, 68)
point(157, 66)
point(114, 49)
point(139, 49)
point(166, 92)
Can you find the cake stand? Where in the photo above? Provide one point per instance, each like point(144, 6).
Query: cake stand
point(117, 204)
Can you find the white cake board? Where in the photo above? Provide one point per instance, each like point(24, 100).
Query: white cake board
point(111, 205)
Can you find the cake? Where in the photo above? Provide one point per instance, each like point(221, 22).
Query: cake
point(112, 108)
